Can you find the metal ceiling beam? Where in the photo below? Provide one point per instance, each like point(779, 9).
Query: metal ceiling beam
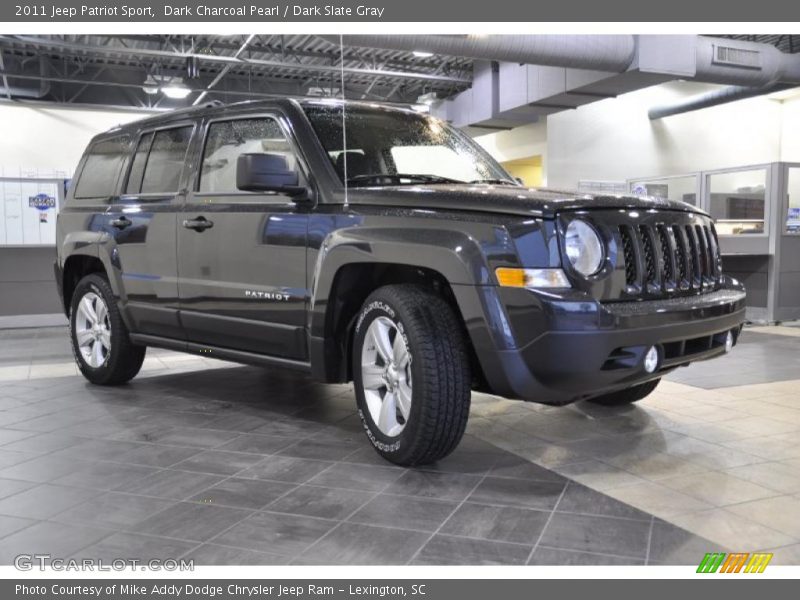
point(138, 86)
point(225, 69)
point(210, 58)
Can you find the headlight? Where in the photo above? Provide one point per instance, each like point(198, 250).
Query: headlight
point(584, 248)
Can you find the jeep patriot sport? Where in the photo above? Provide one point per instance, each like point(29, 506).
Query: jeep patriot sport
point(378, 245)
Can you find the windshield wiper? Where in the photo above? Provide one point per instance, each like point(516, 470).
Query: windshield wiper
point(496, 181)
point(399, 178)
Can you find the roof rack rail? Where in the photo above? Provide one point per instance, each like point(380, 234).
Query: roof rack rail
point(183, 111)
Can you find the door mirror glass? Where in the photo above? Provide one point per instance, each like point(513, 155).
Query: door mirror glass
point(257, 172)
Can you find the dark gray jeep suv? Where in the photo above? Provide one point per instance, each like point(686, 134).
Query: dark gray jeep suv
point(377, 245)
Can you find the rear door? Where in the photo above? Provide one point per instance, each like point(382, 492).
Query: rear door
point(144, 217)
point(242, 254)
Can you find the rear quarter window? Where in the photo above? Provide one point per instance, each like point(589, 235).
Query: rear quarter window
point(101, 168)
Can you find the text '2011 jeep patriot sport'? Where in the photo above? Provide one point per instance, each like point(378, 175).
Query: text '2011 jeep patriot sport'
point(380, 246)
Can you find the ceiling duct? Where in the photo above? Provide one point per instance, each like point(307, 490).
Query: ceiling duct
point(729, 94)
point(595, 52)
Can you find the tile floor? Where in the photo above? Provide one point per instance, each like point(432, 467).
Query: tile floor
point(238, 465)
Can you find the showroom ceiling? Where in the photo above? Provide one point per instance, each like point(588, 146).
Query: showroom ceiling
point(119, 70)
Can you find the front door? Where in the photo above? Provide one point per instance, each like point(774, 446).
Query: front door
point(242, 277)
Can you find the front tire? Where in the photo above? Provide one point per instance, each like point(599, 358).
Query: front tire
point(100, 341)
point(626, 396)
point(411, 374)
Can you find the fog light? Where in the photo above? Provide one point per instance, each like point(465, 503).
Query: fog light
point(729, 341)
point(651, 360)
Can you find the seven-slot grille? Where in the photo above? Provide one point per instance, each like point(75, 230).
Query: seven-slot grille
point(663, 259)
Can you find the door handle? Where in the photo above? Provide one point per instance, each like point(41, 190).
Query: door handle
point(121, 223)
point(199, 224)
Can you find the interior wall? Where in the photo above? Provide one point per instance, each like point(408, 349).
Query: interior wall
point(615, 140)
point(518, 143)
point(41, 142)
point(529, 170)
point(51, 139)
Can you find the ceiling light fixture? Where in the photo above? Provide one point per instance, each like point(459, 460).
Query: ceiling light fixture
point(422, 54)
point(175, 89)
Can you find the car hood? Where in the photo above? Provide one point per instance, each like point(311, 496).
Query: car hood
point(504, 199)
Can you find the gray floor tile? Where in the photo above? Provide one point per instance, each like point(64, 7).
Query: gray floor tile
point(428, 484)
point(8, 459)
point(671, 545)
point(42, 469)
point(357, 477)
point(113, 510)
point(448, 550)
point(134, 547)
point(43, 443)
point(190, 521)
point(218, 462)
point(251, 494)
point(581, 499)
point(516, 467)
point(105, 476)
point(603, 535)
point(285, 468)
point(404, 512)
point(258, 444)
point(356, 544)
point(9, 487)
point(325, 503)
point(7, 436)
point(275, 533)
point(498, 523)
point(9, 525)
point(43, 501)
point(320, 450)
point(56, 539)
point(177, 485)
point(155, 455)
point(518, 492)
point(215, 555)
point(553, 556)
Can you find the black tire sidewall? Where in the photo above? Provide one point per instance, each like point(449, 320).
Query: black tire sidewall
point(393, 448)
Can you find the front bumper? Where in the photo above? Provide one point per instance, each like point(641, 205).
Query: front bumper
point(559, 350)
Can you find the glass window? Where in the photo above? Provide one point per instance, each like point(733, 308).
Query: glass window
point(399, 147)
point(102, 166)
point(165, 162)
point(736, 201)
point(793, 191)
point(139, 162)
point(226, 140)
point(674, 188)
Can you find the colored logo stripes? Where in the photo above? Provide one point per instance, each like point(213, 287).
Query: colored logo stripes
point(736, 562)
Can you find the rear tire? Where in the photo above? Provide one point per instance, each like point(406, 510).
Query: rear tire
point(411, 373)
point(100, 341)
point(626, 396)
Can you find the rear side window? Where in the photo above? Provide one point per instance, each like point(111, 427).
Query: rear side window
point(158, 162)
point(101, 168)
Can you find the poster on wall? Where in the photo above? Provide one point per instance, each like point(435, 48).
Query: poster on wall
point(28, 212)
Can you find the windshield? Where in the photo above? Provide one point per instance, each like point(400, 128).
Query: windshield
point(398, 147)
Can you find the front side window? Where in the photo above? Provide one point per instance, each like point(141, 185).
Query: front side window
point(226, 140)
point(101, 169)
point(398, 147)
point(164, 162)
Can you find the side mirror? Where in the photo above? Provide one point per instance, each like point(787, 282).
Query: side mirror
point(267, 173)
